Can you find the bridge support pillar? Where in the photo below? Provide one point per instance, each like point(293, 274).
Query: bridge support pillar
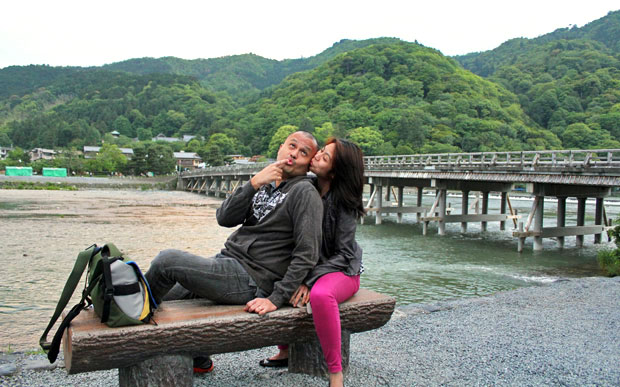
point(464, 209)
point(442, 211)
point(379, 197)
point(581, 215)
point(502, 209)
point(485, 209)
point(598, 217)
point(521, 240)
point(228, 185)
point(419, 202)
point(561, 218)
point(538, 223)
point(400, 203)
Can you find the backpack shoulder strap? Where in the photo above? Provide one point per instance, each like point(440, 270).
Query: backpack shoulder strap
point(74, 278)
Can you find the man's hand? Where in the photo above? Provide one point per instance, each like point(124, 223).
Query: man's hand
point(302, 294)
point(260, 306)
point(271, 172)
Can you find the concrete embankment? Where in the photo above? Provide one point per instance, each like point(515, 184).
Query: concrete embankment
point(563, 333)
point(80, 182)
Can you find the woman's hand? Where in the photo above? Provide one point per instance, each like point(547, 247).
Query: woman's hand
point(260, 306)
point(302, 294)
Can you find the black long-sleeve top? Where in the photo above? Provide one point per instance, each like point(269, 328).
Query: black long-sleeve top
point(339, 250)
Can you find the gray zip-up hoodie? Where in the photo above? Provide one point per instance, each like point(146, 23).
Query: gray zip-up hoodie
point(280, 237)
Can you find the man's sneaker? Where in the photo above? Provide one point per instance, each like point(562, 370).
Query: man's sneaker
point(203, 364)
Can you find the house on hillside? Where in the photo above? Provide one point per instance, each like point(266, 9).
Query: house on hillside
point(185, 138)
point(187, 160)
point(90, 152)
point(42, 153)
point(4, 152)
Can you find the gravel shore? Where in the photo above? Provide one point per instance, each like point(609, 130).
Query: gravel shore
point(564, 333)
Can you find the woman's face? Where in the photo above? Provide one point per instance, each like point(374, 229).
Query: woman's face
point(321, 164)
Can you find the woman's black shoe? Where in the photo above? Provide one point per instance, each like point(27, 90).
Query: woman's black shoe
point(273, 363)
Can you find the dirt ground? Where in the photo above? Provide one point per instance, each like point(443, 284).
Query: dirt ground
point(41, 233)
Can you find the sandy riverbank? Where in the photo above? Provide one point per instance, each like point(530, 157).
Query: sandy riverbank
point(41, 233)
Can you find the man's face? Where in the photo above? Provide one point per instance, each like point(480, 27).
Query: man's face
point(298, 150)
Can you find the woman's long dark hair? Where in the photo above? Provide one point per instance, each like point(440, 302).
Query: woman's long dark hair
point(347, 186)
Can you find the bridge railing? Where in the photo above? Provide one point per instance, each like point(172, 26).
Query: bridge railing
point(526, 159)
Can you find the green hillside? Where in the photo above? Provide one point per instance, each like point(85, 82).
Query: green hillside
point(567, 81)
point(408, 95)
point(80, 109)
point(238, 75)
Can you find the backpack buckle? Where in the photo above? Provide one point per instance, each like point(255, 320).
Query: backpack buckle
point(108, 294)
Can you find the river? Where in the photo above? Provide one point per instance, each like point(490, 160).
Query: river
point(41, 233)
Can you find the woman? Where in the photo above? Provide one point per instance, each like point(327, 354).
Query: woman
point(339, 168)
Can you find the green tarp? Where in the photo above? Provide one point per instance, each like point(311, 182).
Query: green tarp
point(56, 172)
point(18, 171)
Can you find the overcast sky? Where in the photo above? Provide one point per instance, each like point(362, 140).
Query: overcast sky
point(93, 33)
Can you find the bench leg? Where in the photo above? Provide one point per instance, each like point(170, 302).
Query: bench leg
point(171, 370)
point(307, 357)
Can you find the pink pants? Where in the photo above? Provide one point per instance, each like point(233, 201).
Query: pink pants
point(327, 292)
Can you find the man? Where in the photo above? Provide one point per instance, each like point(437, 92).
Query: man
point(265, 260)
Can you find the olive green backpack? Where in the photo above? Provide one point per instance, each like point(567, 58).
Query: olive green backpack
point(115, 288)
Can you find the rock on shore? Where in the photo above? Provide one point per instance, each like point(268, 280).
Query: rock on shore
point(564, 333)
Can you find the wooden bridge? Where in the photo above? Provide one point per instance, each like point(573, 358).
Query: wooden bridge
point(581, 174)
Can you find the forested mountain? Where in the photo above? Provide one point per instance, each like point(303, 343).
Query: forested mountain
point(567, 81)
point(21, 80)
point(238, 75)
point(401, 94)
point(78, 110)
point(561, 90)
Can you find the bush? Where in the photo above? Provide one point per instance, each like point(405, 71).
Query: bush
point(609, 260)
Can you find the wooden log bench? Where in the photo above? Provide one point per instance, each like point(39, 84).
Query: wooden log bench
point(162, 354)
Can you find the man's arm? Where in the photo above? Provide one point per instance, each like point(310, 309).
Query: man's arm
point(236, 208)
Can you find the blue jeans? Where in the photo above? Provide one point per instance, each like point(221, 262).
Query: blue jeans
point(176, 274)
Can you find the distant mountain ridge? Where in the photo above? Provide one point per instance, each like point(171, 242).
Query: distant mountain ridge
point(568, 81)
point(238, 74)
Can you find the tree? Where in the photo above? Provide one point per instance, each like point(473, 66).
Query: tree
point(192, 146)
point(578, 136)
point(110, 159)
point(278, 139)
point(5, 140)
point(69, 159)
point(323, 132)
point(367, 138)
point(18, 156)
point(225, 144)
point(160, 158)
point(144, 134)
point(123, 126)
point(213, 155)
point(138, 163)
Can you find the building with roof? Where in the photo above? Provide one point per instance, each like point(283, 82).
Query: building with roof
point(42, 153)
point(187, 160)
point(4, 152)
point(185, 138)
point(90, 152)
